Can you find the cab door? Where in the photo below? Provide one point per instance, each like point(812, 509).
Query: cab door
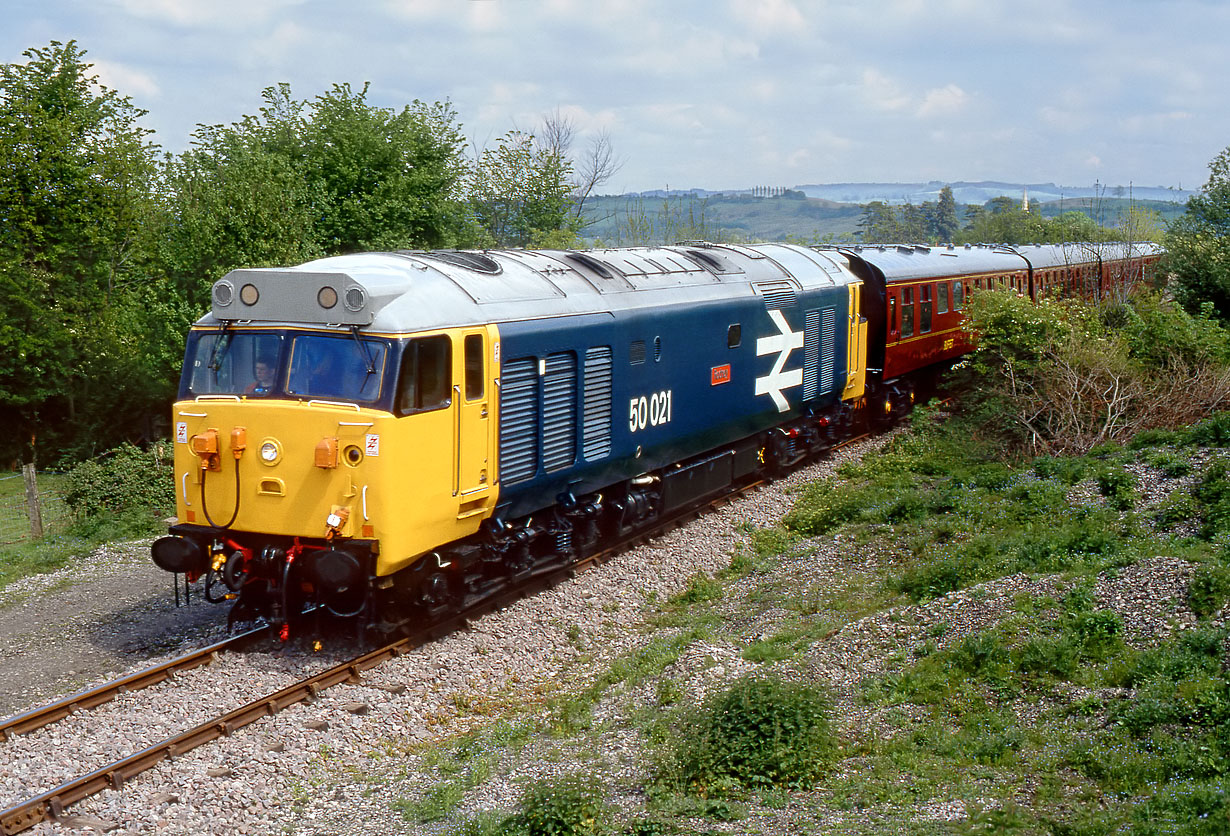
point(473, 393)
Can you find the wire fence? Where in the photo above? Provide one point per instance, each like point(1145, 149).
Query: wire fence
point(17, 523)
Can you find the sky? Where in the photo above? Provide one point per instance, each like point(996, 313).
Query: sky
point(712, 94)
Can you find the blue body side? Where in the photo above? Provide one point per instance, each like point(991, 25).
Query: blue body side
point(692, 402)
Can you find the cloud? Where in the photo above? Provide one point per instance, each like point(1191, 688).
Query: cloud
point(770, 17)
point(126, 80)
point(223, 14)
point(943, 101)
point(882, 92)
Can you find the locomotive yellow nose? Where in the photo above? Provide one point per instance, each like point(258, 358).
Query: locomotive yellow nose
point(205, 445)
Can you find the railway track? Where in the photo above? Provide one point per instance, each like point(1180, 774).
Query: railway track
point(51, 805)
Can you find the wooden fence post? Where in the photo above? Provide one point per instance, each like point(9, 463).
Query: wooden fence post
point(32, 506)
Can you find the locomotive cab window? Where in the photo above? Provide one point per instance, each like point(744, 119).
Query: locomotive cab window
point(474, 366)
point(423, 382)
point(244, 363)
point(336, 367)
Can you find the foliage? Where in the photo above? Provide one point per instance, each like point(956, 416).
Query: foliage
point(77, 176)
point(519, 193)
point(1209, 589)
point(1198, 244)
point(933, 221)
point(569, 806)
point(1068, 376)
point(128, 485)
point(311, 178)
point(761, 732)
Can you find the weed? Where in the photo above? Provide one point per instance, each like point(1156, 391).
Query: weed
point(759, 733)
point(1209, 589)
point(569, 806)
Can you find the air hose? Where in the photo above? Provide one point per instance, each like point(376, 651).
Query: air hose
point(205, 506)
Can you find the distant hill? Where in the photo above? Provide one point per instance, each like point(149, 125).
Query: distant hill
point(795, 215)
point(964, 192)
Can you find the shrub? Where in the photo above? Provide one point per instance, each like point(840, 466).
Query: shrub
point(759, 733)
point(1213, 432)
point(132, 486)
point(1118, 486)
point(1209, 589)
point(569, 806)
point(1213, 492)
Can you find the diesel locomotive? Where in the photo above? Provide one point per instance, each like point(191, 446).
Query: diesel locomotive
point(387, 435)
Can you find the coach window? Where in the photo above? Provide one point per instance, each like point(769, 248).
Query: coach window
point(423, 383)
point(958, 295)
point(893, 327)
point(925, 309)
point(734, 336)
point(907, 312)
point(474, 366)
point(941, 302)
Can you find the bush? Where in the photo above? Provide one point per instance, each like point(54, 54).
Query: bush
point(1213, 492)
point(760, 733)
point(127, 485)
point(1118, 486)
point(1209, 589)
point(569, 806)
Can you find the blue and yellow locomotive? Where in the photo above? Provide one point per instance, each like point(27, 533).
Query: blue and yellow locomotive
point(386, 434)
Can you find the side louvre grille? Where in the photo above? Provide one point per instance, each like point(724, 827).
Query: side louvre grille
point(811, 354)
point(519, 420)
point(596, 431)
point(559, 411)
point(828, 338)
point(777, 295)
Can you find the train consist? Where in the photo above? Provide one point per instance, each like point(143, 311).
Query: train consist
point(389, 435)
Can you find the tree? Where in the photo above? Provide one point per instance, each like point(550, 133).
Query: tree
point(306, 179)
point(591, 169)
point(519, 192)
point(944, 224)
point(77, 179)
point(1198, 244)
point(879, 224)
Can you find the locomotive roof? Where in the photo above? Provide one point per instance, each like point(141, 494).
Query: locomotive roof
point(410, 291)
point(902, 263)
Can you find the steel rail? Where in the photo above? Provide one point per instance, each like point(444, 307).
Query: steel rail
point(52, 804)
point(93, 697)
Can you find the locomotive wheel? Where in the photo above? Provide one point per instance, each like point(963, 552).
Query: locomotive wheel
point(435, 593)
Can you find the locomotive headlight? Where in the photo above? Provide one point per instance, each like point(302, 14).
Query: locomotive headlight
point(271, 451)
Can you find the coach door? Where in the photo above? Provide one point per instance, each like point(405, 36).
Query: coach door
point(473, 397)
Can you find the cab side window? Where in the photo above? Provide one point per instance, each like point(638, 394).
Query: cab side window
point(423, 382)
point(474, 366)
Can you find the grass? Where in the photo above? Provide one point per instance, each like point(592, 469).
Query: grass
point(23, 556)
point(1047, 718)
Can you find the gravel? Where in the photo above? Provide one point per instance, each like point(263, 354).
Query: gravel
point(336, 765)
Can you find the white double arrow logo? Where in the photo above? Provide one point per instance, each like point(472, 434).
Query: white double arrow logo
point(783, 343)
